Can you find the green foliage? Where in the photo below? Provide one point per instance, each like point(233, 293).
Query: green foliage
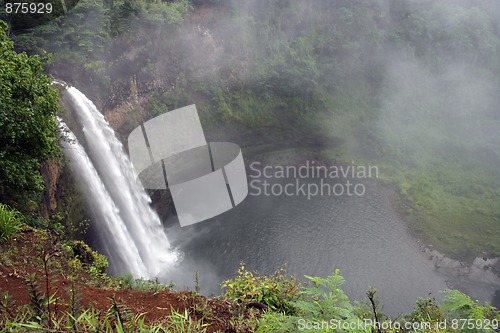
point(427, 310)
point(100, 262)
point(435, 32)
point(460, 305)
point(168, 101)
point(11, 222)
point(323, 301)
point(28, 106)
point(320, 306)
point(94, 262)
point(277, 291)
point(183, 322)
point(129, 282)
point(170, 12)
point(325, 297)
point(38, 302)
point(71, 211)
point(244, 322)
point(92, 320)
point(327, 68)
point(43, 302)
point(324, 307)
point(74, 294)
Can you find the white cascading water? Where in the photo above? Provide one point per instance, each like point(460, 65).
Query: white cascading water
point(132, 233)
point(102, 206)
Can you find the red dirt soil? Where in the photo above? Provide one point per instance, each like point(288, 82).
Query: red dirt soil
point(24, 255)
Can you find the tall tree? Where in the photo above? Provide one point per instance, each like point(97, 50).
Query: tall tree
point(28, 128)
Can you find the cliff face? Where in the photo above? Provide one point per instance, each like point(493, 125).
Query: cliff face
point(145, 61)
point(51, 171)
point(190, 49)
point(135, 74)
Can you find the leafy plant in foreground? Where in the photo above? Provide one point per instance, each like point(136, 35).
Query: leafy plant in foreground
point(10, 223)
point(277, 291)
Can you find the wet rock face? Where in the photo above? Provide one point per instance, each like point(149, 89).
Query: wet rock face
point(496, 299)
point(162, 203)
point(51, 171)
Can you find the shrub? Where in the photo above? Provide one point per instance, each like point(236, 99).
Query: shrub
point(426, 310)
point(277, 291)
point(10, 223)
point(83, 252)
point(100, 262)
point(321, 304)
point(95, 263)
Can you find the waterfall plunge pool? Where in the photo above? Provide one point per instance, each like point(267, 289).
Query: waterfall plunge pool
point(362, 235)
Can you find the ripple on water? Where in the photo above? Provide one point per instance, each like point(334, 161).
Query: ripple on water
point(363, 236)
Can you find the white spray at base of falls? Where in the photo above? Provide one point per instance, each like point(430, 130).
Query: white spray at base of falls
point(129, 229)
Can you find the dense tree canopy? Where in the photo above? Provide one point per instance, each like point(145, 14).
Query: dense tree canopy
point(28, 106)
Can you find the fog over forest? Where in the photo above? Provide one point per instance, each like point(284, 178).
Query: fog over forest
point(408, 88)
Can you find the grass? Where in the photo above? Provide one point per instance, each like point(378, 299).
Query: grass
point(455, 213)
point(92, 320)
point(10, 223)
point(183, 322)
point(287, 305)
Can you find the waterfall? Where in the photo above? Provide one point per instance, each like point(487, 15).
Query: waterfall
point(130, 231)
point(103, 208)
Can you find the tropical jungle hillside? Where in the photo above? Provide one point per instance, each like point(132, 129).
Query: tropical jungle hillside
point(410, 86)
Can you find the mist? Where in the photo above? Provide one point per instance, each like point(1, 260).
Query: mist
point(409, 86)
